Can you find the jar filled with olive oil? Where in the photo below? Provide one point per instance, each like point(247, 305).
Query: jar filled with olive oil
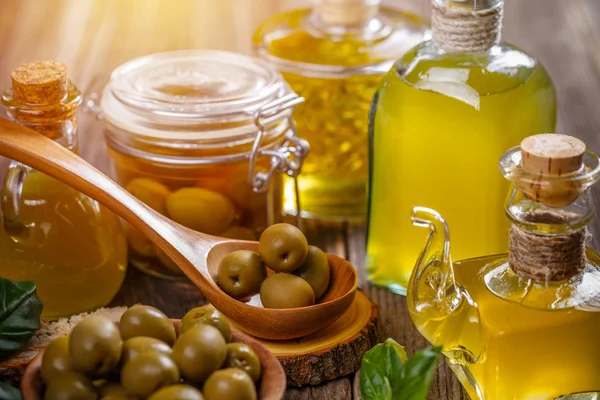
point(69, 245)
point(203, 137)
point(445, 109)
point(334, 55)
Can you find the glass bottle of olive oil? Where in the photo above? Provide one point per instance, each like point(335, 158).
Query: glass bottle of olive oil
point(334, 55)
point(524, 324)
point(69, 245)
point(445, 109)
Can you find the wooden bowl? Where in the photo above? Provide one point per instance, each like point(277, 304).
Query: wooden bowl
point(271, 386)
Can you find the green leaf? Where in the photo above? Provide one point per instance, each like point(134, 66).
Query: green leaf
point(20, 311)
point(8, 392)
point(387, 374)
point(419, 370)
point(380, 369)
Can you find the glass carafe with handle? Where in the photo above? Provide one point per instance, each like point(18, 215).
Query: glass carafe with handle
point(69, 245)
point(521, 325)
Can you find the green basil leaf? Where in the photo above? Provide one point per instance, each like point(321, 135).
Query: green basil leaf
point(418, 373)
point(374, 384)
point(20, 311)
point(381, 368)
point(387, 374)
point(8, 392)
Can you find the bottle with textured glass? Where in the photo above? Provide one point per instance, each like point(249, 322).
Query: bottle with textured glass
point(334, 55)
point(521, 325)
point(69, 245)
point(445, 108)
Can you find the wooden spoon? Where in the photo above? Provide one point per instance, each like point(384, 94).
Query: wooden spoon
point(197, 254)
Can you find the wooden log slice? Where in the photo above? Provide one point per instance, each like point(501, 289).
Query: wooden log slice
point(333, 352)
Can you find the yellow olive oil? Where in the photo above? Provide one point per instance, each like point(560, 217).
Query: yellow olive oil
point(439, 121)
point(526, 353)
point(337, 71)
point(73, 248)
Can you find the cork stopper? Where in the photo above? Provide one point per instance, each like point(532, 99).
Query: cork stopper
point(40, 82)
point(548, 156)
point(552, 154)
point(346, 12)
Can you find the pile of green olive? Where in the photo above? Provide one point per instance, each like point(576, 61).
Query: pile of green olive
point(301, 277)
point(142, 358)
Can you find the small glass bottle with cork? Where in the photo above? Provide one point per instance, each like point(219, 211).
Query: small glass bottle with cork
point(535, 311)
point(69, 245)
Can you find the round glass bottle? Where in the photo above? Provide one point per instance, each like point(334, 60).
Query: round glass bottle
point(445, 109)
point(203, 137)
point(69, 245)
point(334, 55)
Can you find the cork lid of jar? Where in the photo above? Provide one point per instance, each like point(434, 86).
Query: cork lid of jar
point(550, 156)
point(40, 82)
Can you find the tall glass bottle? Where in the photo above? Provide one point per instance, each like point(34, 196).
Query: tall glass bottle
point(334, 55)
point(445, 108)
point(67, 243)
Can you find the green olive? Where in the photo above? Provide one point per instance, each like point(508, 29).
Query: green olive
point(140, 344)
point(151, 192)
point(95, 346)
point(148, 372)
point(241, 273)
point(230, 384)
point(112, 390)
point(56, 359)
point(283, 247)
point(286, 291)
point(147, 321)
point(240, 355)
point(177, 392)
point(315, 270)
point(70, 386)
point(238, 232)
point(201, 209)
point(206, 315)
point(200, 351)
point(116, 397)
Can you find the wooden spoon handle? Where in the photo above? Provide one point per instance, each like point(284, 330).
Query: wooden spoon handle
point(28, 147)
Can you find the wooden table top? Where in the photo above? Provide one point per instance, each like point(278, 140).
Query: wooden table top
point(94, 36)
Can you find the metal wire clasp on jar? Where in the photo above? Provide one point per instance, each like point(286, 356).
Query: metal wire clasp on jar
point(203, 137)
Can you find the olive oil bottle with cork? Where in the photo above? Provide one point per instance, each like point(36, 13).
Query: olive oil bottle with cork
point(523, 324)
point(68, 244)
point(445, 109)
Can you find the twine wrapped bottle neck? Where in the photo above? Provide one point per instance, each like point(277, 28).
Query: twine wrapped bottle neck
point(545, 258)
point(466, 30)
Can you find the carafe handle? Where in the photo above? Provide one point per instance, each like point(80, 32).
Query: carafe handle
point(11, 201)
point(442, 309)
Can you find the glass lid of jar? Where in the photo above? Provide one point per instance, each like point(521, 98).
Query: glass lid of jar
point(193, 94)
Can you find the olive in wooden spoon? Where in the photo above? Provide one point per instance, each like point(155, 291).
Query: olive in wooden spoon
point(197, 254)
